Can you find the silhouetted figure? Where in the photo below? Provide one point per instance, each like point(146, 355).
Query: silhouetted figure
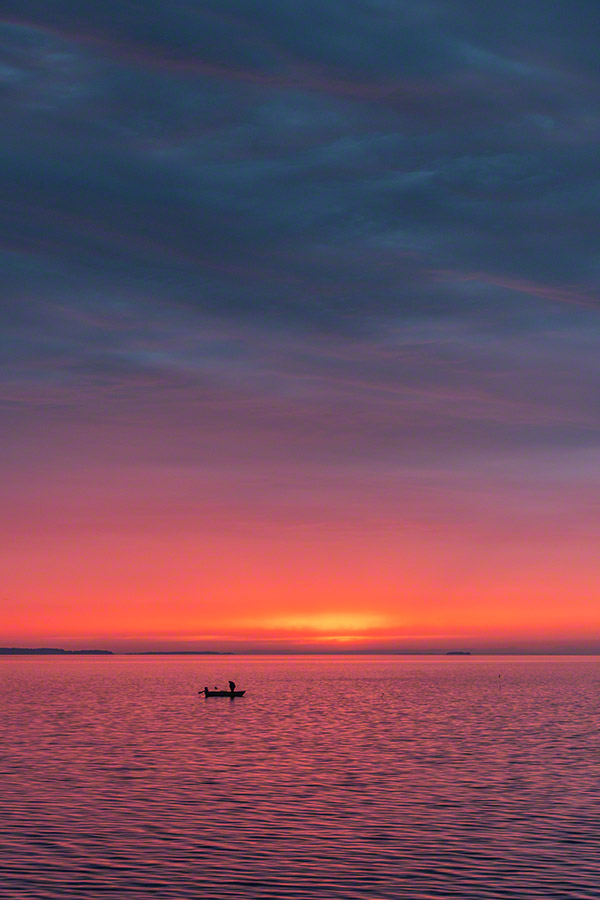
point(205, 691)
point(232, 686)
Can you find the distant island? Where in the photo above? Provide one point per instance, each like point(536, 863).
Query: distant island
point(458, 652)
point(58, 651)
point(50, 651)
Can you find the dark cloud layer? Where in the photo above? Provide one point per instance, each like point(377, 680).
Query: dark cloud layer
point(370, 227)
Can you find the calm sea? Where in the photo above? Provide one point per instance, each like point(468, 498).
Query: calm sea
point(334, 777)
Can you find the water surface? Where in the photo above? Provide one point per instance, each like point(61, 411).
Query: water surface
point(334, 777)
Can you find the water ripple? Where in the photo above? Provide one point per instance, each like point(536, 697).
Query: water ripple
point(361, 778)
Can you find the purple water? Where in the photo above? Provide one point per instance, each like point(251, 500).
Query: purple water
point(334, 777)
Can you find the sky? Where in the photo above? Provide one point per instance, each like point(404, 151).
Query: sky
point(299, 323)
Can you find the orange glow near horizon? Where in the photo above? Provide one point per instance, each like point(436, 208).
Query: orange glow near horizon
point(255, 557)
point(324, 623)
point(292, 589)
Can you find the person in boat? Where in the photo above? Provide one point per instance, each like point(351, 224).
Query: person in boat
point(205, 691)
point(232, 686)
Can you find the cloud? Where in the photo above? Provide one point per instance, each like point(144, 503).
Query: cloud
point(359, 236)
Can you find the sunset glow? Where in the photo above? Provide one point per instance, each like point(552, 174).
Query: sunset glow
point(391, 557)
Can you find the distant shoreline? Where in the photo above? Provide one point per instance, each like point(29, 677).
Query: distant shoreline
point(59, 651)
point(51, 651)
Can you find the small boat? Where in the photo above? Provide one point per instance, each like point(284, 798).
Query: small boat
point(222, 693)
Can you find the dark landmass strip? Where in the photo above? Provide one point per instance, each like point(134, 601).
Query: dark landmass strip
point(57, 651)
point(458, 653)
point(50, 651)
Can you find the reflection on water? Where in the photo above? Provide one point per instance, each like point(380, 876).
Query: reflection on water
point(339, 777)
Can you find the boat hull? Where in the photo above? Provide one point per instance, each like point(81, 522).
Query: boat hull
point(222, 693)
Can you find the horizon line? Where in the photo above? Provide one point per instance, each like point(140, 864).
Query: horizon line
point(59, 651)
